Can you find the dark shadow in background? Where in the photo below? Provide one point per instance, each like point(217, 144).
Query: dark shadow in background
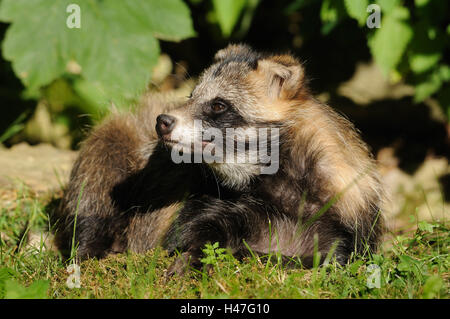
point(444, 180)
point(407, 127)
point(11, 89)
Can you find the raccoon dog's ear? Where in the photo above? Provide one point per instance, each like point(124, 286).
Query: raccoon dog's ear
point(233, 50)
point(283, 75)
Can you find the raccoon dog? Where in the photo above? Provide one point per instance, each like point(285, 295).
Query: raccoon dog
point(315, 190)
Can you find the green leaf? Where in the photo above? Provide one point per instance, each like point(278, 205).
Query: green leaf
point(410, 265)
point(389, 42)
point(429, 84)
point(115, 48)
point(98, 102)
point(37, 290)
point(354, 267)
point(328, 12)
point(357, 10)
point(168, 19)
point(421, 3)
point(377, 259)
point(444, 72)
point(425, 226)
point(228, 13)
point(426, 47)
point(426, 89)
point(432, 287)
point(5, 274)
point(331, 13)
point(35, 59)
point(423, 62)
point(388, 6)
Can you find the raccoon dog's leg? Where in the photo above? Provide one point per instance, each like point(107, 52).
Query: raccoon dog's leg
point(319, 239)
point(230, 222)
point(210, 220)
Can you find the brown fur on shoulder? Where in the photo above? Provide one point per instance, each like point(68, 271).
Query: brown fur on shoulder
point(343, 163)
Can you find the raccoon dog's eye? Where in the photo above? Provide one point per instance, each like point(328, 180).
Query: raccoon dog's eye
point(218, 107)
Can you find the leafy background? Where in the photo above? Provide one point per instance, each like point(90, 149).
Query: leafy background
point(110, 59)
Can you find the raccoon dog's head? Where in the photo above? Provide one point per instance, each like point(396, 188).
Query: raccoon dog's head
point(233, 116)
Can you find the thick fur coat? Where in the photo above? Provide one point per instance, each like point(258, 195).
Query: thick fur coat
point(127, 193)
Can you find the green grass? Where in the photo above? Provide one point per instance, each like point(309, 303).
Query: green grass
point(412, 264)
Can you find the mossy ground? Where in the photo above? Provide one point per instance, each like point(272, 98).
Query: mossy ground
point(410, 264)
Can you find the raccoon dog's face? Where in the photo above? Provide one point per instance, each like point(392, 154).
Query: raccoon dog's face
point(233, 116)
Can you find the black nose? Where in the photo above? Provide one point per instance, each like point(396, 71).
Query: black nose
point(164, 124)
